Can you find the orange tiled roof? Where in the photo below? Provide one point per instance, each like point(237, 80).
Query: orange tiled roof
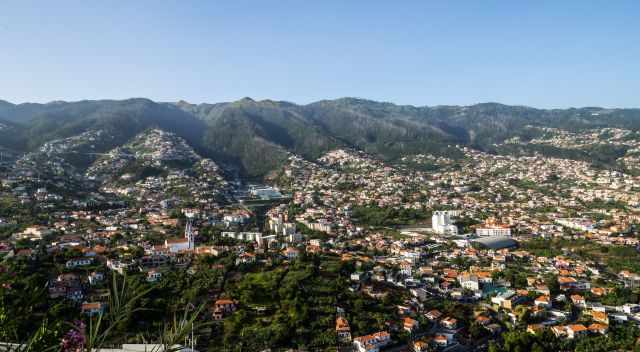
point(440, 338)
point(342, 324)
point(577, 327)
point(597, 327)
point(89, 306)
point(600, 316)
point(544, 299)
point(566, 280)
point(408, 322)
point(224, 302)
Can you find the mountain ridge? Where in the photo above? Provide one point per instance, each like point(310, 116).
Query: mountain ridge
point(255, 136)
point(345, 98)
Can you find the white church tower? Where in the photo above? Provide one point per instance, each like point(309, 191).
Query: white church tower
point(188, 235)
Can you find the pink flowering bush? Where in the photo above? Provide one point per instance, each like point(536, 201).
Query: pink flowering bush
point(74, 340)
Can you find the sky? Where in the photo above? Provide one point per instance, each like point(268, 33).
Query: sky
point(547, 54)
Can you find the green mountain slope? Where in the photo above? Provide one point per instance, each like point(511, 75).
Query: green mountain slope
point(11, 135)
point(118, 120)
point(257, 136)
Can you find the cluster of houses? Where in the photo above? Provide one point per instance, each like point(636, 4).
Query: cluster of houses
point(509, 199)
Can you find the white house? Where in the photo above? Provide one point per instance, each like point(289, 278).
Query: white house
point(154, 276)
point(469, 282)
point(371, 343)
point(76, 262)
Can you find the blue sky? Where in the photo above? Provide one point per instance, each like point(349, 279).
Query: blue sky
point(537, 53)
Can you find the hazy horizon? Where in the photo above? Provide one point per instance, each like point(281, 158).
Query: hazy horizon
point(316, 101)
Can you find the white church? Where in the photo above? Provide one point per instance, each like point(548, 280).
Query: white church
point(182, 244)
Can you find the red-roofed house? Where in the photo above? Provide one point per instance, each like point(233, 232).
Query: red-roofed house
point(449, 323)
point(433, 315)
point(343, 330)
point(543, 301)
point(371, 343)
point(410, 325)
point(576, 330)
point(222, 307)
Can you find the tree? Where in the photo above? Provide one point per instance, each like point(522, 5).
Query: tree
point(96, 332)
point(552, 283)
point(477, 331)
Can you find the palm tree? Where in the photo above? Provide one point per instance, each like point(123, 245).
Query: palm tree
point(122, 304)
point(100, 329)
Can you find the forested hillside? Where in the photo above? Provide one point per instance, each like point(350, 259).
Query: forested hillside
point(257, 136)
